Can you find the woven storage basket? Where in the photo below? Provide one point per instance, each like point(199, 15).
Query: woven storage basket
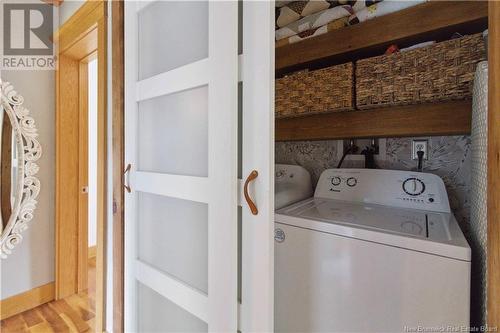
point(439, 72)
point(309, 92)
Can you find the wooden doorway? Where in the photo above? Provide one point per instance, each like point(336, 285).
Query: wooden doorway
point(118, 155)
point(81, 39)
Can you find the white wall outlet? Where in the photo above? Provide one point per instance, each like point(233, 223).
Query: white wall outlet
point(417, 145)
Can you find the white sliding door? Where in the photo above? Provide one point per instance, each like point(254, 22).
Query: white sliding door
point(257, 294)
point(182, 142)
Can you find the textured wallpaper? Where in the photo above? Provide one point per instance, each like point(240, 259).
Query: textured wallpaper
point(449, 158)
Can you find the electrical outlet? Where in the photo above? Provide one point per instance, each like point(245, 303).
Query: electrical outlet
point(418, 145)
point(361, 144)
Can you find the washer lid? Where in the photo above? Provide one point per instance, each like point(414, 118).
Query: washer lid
point(381, 218)
point(431, 232)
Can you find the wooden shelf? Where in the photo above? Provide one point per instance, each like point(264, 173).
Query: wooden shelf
point(445, 118)
point(435, 20)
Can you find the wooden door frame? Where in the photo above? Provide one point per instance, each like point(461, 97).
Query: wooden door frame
point(83, 173)
point(81, 36)
point(118, 155)
point(494, 164)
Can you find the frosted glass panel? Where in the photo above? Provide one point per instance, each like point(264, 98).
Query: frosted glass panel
point(173, 237)
point(172, 34)
point(157, 314)
point(173, 133)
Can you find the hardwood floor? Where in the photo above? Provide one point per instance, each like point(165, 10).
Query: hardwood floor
point(72, 314)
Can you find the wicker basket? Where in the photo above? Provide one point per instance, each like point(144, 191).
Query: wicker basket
point(439, 72)
point(309, 92)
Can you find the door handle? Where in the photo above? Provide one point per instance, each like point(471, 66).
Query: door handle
point(251, 204)
point(126, 179)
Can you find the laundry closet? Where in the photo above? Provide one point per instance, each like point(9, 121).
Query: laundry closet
point(379, 104)
point(365, 119)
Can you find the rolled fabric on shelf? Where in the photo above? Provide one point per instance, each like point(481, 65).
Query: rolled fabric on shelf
point(334, 25)
point(381, 9)
point(314, 21)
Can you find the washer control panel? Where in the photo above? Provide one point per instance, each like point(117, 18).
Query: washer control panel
point(405, 189)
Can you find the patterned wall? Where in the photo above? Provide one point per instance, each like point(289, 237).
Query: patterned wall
point(449, 158)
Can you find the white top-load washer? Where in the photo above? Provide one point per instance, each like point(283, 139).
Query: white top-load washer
point(292, 183)
point(372, 251)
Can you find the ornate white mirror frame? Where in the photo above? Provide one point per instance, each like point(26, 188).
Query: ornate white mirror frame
point(29, 151)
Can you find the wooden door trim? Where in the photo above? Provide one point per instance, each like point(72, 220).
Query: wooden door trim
point(118, 78)
point(83, 170)
point(79, 24)
point(102, 190)
point(81, 36)
point(494, 164)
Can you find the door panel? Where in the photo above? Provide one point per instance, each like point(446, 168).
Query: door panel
point(173, 133)
point(181, 72)
point(188, 247)
point(158, 314)
point(181, 254)
point(257, 312)
point(179, 25)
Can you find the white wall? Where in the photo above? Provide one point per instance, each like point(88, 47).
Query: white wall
point(32, 262)
point(92, 213)
point(68, 8)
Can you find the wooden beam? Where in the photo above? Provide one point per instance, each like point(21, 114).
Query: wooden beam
point(494, 165)
point(431, 20)
point(27, 300)
point(447, 118)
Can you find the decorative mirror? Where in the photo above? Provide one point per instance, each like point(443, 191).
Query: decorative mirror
point(19, 152)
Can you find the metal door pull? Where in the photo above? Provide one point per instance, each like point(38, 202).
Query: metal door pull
point(126, 180)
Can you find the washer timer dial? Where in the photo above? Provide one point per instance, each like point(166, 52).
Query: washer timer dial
point(336, 181)
point(413, 186)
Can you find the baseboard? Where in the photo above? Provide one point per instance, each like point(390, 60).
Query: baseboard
point(27, 300)
point(92, 251)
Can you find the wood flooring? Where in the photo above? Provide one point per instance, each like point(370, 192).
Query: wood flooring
point(75, 313)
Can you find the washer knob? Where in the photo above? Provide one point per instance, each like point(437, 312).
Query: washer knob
point(336, 181)
point(413, 186)
point(351, 181)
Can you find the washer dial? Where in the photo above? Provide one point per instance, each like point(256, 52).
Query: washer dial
point(336, 181)
point(413, 186)
point(351, 181)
